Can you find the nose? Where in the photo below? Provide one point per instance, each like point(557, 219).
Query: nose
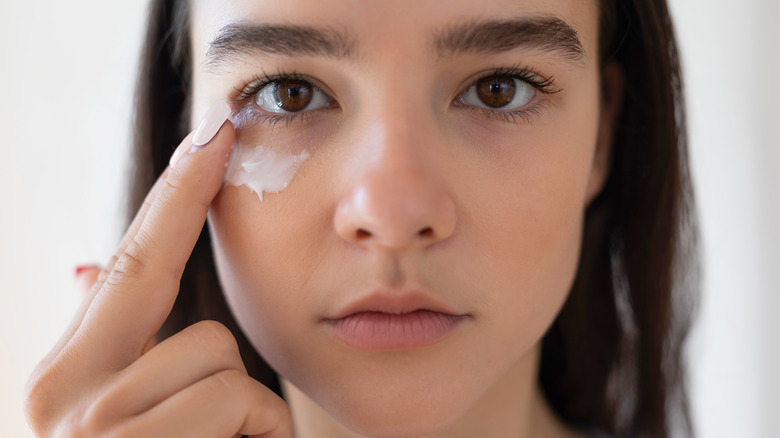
point(397, 196)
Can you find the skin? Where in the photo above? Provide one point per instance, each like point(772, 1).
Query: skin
point(504, 202)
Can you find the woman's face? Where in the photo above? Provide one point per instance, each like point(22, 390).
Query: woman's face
point(452, 149)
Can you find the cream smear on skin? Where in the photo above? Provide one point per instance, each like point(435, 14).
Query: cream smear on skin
point(261, 169)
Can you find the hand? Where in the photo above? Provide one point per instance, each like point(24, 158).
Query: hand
point(105, 377)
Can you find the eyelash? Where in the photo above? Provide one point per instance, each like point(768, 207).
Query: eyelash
point(250, 89)
point(543, 85)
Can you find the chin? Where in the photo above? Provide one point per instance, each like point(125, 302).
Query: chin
point(380, 420)
point(396, 407)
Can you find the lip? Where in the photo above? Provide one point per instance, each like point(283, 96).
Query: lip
point(394, 303)
point(383, 321)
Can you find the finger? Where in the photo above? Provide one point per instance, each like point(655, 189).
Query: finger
point(198, 351)
point(86, 276)
point(72, 361)
point(132, 230)
point(144, 209)
point(222, 404)
point(78, 317)
point(149, 345)
point(135, 224)
point(139, 291)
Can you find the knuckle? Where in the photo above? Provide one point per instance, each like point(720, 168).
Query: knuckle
point(172, 183)
point(280, 416)
point(45, 419)
point(42, 402)
point(54, 406)
point(107, 269)
point(168, 195)
point(125, 430)
point(97, 417)
point(216, 339)
point(131, 263)
point(94, 418)
point(37, 404)
point(82, 423)
point(147, 204)
point(229, 380)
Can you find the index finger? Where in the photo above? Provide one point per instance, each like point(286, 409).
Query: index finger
point(78, 317)
point(138, 293)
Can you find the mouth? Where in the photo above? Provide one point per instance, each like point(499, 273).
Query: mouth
point(384, 322)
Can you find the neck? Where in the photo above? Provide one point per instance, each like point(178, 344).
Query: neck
point(513, 408)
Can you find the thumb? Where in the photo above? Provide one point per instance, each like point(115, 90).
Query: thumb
point(86, 276)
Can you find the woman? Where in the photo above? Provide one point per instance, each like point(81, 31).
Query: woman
point(424, 219)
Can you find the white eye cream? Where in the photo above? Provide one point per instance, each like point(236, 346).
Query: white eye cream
point(261, 169)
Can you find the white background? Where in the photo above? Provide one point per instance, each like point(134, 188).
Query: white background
point(66, 83)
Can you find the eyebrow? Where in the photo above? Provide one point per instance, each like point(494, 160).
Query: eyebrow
point(546, 34)
point(242, 39)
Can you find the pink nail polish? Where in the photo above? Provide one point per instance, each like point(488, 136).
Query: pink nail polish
point(209, 126)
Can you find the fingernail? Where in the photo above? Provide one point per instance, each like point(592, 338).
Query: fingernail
point(209, 126)
point(81, 268)
point(176, 155)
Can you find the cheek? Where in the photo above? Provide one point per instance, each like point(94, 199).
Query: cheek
point(526, 218)
point(267, 247)
point(264, 254)
point(520, 196)
point(538, 207)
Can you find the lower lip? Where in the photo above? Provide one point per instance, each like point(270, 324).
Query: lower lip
point(378, 331)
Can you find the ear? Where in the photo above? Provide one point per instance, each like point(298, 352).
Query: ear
point(611, 104)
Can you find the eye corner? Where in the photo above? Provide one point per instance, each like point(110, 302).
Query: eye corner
point(458, 100)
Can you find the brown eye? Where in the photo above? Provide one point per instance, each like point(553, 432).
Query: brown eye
point(499, 91)
point(293, 95)
point(496, 91)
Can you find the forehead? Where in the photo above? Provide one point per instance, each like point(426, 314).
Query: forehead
point(387, 28)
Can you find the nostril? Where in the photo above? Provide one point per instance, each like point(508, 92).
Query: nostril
point(426, 232)
point(362, 234)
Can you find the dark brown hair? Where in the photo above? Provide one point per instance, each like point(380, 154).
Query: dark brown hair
point(613, 360)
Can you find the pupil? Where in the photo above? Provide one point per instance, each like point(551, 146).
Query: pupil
point(496, 91)
point(293, 96)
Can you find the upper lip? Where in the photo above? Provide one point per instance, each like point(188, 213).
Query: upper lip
point(394, 303)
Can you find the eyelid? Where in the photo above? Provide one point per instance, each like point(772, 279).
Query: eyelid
point(526, 114)
point(250, 88)
point(544, 84)
point(267, 98)
point(249, 111)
